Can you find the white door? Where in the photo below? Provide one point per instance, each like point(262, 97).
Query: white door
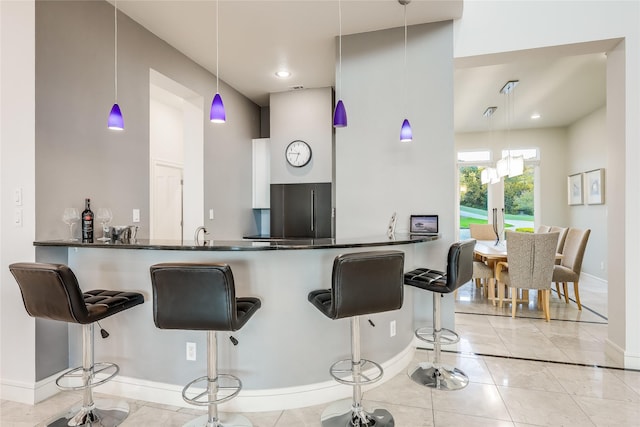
point(166, 209)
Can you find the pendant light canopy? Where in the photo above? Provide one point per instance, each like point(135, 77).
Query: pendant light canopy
point(406, 134)
point(115, 120)
point(217, 114)
point(340, 113)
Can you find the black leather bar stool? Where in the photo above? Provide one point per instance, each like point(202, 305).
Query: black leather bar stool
point(459, 271)
point(51, 291)
point(362, 283)
point(203, 297)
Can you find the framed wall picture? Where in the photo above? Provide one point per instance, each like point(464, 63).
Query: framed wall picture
point(594, 186)
point(574, 189)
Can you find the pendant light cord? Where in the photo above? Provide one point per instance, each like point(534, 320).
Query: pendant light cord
point(340, 49)
point(217, 46)
point(405, 61)
point(115, 51)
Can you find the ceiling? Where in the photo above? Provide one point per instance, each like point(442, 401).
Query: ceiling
point(259, 37)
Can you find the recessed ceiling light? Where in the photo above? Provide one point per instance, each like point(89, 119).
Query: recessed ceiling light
point(535, 116)
point(283, 74)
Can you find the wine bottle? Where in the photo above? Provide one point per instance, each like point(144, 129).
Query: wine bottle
point(87, 222)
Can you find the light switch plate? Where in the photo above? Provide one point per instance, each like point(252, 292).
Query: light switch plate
point(136, 215)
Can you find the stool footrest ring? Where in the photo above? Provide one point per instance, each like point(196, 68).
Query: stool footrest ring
point(227, 387)
point(447, 336)
point(97, 370)
point(342, 371)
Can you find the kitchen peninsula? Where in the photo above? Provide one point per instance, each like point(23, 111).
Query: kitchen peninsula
point(282, 357)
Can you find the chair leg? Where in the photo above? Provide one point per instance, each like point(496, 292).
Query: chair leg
point(492, 290)
point(436, 374)
point(575, 291)
point(101, 412)
point(215, 382)
point(514, 299)
point(566, 294)
point(546, 295)
point(337, 415)
point(558, 290)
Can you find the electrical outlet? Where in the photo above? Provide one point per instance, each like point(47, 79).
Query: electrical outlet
point(392, 328)
point(191, 351)
point(136, 215)
point(210, 213)
point(18, 217)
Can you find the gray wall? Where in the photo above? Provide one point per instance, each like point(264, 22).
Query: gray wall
point(78, 157)
point(306, 115)
point(376, 174)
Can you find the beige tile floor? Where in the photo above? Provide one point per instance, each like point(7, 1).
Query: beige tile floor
point(523, 372)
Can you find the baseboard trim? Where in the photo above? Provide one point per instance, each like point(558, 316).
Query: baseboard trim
point(28, 392)
point(254, 400)
point(620, 356)
point(592, 278)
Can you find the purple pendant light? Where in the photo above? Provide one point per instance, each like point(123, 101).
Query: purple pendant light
point(217, 114)
point(115, 120)
point(340, 113)
point(406, 134)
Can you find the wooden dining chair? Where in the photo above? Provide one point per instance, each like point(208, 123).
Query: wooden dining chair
point(530, 261)
point(571, 264)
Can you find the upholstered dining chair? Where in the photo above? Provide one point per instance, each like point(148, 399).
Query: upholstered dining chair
point(562, 236)
point(543, 229)
point(571, 264)
point(482, 231)
point(530, 262)
point(482, 273)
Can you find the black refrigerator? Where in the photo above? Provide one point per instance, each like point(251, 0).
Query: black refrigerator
point(301, 210)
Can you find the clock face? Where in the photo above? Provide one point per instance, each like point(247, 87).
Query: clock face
point(298, 153)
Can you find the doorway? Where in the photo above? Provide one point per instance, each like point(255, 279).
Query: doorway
point(516, 195)
point(176, 134)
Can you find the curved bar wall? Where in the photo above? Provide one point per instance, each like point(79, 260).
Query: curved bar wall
point(283, 355)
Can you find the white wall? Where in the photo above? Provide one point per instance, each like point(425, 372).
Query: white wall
point(587, 150)
point(306, 115)
point(166, 127)
point(492, 27)
point(17, 171)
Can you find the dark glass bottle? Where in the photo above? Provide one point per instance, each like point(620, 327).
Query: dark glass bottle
point(87, 222)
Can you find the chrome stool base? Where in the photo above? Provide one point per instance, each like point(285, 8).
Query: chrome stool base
point(440, 377)
point(103, 413)
point(344, 414)
point(231, 420)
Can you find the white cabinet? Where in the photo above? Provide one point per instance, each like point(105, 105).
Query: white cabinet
point(261, 173)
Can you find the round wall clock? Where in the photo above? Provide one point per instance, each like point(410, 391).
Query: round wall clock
point(298, 153)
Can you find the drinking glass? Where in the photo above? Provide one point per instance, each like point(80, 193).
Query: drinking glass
point(70, 217)
point(105, 216)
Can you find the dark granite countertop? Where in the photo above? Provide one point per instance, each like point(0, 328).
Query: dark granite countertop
point(243, 245)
